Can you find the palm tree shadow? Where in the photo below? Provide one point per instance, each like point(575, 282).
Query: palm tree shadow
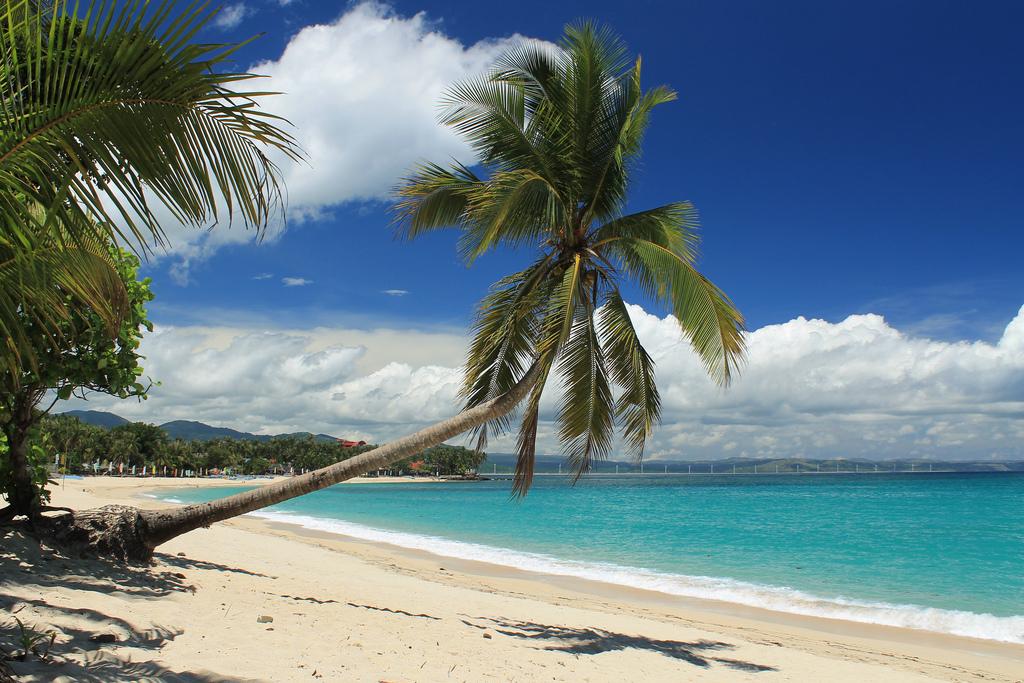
point(75, 656)
point(103, 667)
point(24, 561)
point(593, 641)
point(188, 563)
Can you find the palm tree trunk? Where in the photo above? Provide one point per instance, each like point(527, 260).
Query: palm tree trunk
point(160, 526)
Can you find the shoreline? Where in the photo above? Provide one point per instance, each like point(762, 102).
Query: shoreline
point(611, 589)
point(761, 602)
point(484, 569)
point(157, 482)
point(782, 642)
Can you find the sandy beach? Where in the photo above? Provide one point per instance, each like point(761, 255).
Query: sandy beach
point(250, 600)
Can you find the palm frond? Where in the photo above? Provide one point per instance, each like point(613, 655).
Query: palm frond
point(535, 67)
point(557, 313)
point(41, 281)
point(104, 112)
point(707, 317)
point(433, 198)
point(512, 208)
point(638, 406)
point(491, 115)
point(617, 142)
point(504, 340)
point(526, 447)
point(526, 444)
point(673, 226)
point(585, 413)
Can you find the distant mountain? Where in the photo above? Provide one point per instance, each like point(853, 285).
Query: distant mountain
point(299, 435)
point(188, 430)
point(98, 418)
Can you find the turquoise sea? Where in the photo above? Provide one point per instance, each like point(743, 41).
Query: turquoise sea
point(942, 552)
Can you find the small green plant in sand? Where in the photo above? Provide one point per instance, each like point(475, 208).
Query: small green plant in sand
point(31, 642)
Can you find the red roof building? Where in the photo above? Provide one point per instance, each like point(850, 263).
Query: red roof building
point(350, 444)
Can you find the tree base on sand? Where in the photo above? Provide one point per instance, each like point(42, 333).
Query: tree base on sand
point(116, 532)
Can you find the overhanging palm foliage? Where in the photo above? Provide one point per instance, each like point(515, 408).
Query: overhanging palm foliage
point(557, 130)
point(105, 111)
point(43, 277)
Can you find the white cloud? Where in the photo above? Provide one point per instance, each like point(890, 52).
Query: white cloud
point(263, 276)
point(295, 281)
point(231, 16)
point(855, 388)
point(395, 292)
point(282, 381)
point(362, 93)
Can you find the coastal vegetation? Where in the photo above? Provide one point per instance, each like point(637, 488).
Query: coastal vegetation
point(137, 448)
point(557, 131)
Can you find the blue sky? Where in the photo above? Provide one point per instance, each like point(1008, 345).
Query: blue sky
point(845, 157)
point(857, 167)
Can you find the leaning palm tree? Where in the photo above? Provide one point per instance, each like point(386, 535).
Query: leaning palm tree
point(107, 111)
point(557, 130)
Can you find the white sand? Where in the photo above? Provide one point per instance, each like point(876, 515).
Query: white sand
point(346, 610)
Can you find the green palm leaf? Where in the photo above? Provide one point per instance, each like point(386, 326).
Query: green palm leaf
point(673, 226)
point(585, 413)
point(638, 406)
point(433, 198)
point(119, 102)
point(42, 281)
point(504, 339)
point(708, 318)
point(513, 208)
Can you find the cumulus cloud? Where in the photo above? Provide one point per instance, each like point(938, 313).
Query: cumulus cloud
point(295, 281)
point(858, 387)
point(854, 388)
point(395, 292)
point(362, 93)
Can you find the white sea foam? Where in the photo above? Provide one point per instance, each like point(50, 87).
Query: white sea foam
point(988, 626)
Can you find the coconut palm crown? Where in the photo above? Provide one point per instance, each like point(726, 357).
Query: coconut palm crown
point(558, 130)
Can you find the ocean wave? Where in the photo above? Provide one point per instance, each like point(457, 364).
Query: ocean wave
point(780, 599)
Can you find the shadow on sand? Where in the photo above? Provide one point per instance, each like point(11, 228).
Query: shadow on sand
point(593, 641)
point(75, 656)
point(187, 563)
